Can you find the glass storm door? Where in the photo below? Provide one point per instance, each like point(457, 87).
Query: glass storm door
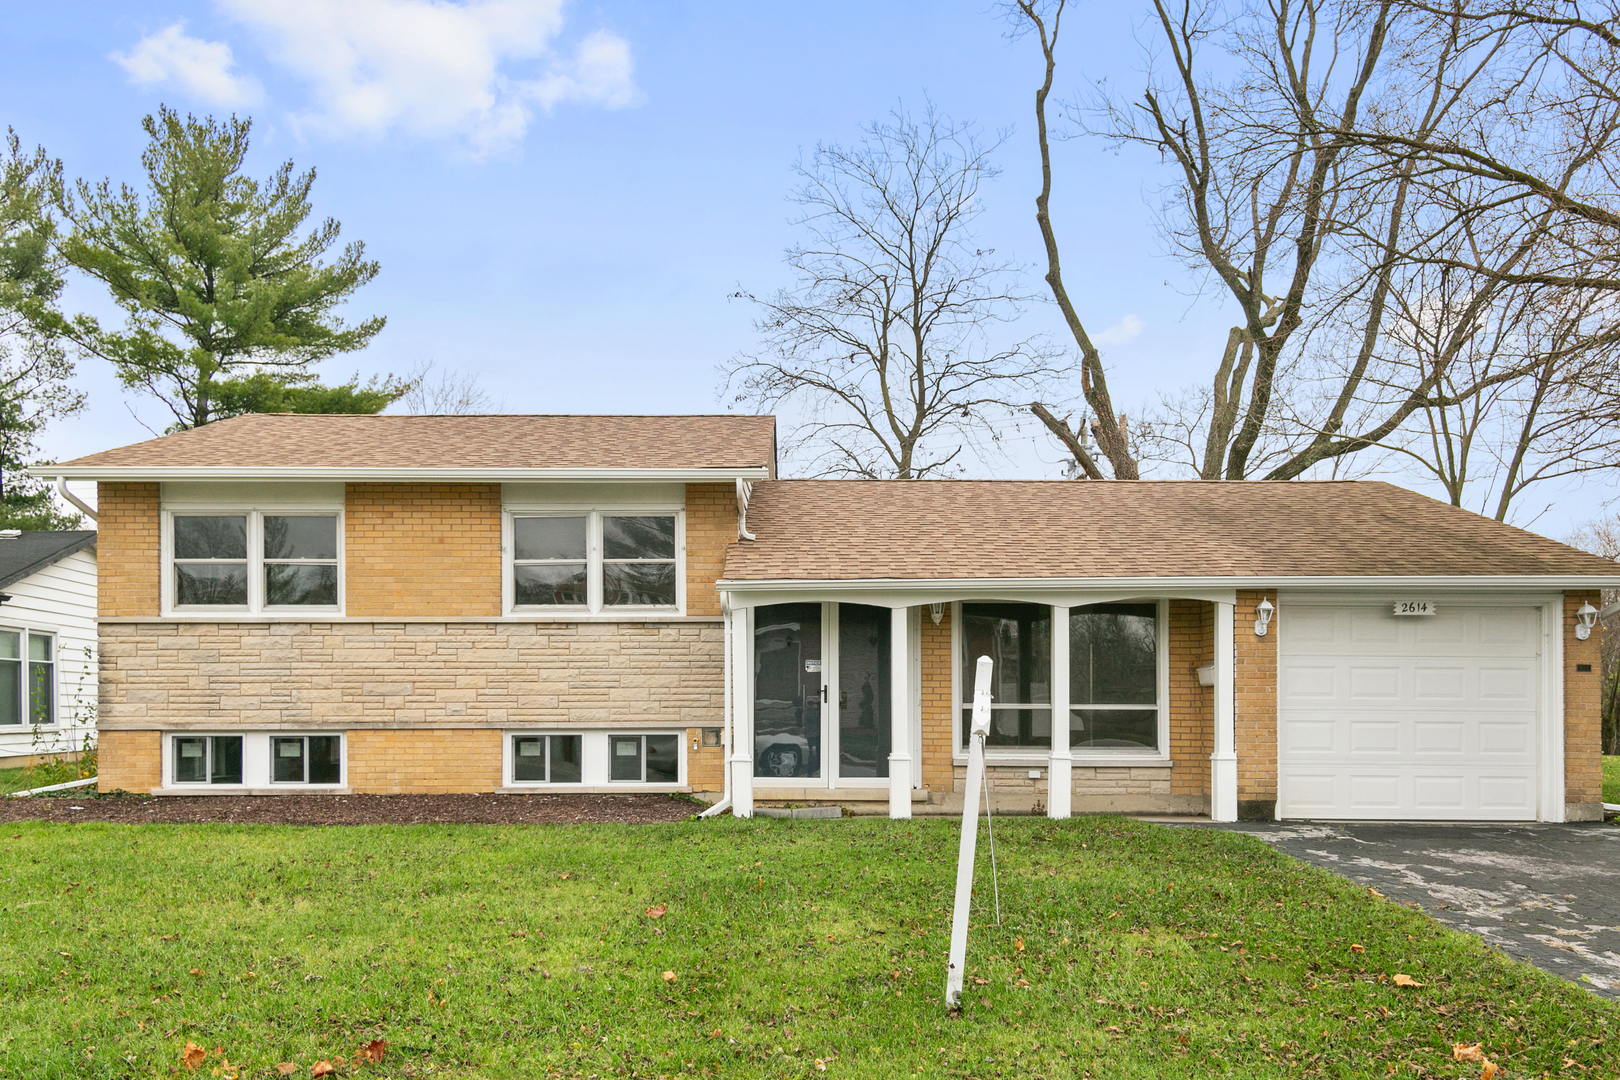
point(864, 699)
point(789, 688)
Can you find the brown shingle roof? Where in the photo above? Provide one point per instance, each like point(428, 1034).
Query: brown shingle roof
point(936, 530)
point(457, 442)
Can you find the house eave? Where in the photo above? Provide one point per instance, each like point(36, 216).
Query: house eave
point(1175, 583)
point(221, 473)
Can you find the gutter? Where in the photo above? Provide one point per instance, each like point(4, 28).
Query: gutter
point(1318, 581)
point(84, 508)
point(358, 475)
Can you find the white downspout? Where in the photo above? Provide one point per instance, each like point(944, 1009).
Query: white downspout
point(725, 737)
point(61, 489)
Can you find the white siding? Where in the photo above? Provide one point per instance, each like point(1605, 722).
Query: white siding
point(60, 599)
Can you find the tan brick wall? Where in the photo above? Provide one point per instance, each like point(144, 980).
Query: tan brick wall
point(1192, 707)
point(424, 760)
point(1254, 679)
point(711, 525)
point(408, 674)
point(129, 761)
point(936, 659)
point(128, 549)
point(1583, 714)
point(423, 549)
point(705, 765)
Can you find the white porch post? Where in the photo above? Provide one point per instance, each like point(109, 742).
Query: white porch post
point(1223, 793)
point(1059, 770)
point(899, 713)
point(741, 751)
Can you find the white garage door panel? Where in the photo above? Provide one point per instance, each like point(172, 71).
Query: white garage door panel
point(1408, 718)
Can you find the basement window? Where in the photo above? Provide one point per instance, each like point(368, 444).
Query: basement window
point(645, 759)
point(306, 759)
point(546, 759)
point(207, 759)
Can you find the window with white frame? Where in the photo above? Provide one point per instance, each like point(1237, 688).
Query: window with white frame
point(206, 759)
point(254, 561)
point(547, 759)
point(1018, 638)
point(645, 759)
point(27, 677)
point(306, 759)
point(596, 561)
point(1114, 677)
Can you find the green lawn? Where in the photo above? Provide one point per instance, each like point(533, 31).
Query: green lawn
point(20, 780)
point(1611, 779)
point(1127, 950)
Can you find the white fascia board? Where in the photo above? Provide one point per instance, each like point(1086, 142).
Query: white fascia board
point(218, 473)
point(1177, 586)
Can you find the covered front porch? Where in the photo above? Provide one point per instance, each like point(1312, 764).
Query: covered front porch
point(854, 694)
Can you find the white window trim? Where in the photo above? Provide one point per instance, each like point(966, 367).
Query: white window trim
point(1039, 756)
point(208, 761)
point(596, 767)
point(593, 562)
point(680, 760)
point(509, 762)
point(23, 695)
point(255, 562)
point(257, 767)
point(271, 737)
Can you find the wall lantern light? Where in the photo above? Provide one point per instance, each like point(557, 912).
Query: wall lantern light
point(936, 612)
point(1262, 617)
point(1585, 619)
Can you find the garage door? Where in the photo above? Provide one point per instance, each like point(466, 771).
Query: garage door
point(1407, 717)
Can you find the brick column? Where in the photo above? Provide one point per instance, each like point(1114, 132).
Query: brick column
point(1583, 714)
point(1255, 679)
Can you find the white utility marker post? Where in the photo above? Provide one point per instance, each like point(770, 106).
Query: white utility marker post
point(970, 832)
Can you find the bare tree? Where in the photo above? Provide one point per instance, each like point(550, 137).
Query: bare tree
point(884, 346)
point(1326, 240)
point(1603, 538)
point(446, 392)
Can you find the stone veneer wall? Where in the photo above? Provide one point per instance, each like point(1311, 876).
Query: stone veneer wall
point(129, 569)
point(1254, 678)
point(430, 550)
point(1583, 714)
point(1192, 707)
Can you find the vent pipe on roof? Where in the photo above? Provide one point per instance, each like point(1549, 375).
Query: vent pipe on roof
point(61, 489)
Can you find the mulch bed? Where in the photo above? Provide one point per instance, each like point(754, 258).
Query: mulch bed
point(352, 809)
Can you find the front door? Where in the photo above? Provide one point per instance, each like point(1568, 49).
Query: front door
point(807, 656)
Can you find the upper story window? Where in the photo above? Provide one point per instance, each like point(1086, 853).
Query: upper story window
point(27, 677)
point(597, 561)
point(255, 561)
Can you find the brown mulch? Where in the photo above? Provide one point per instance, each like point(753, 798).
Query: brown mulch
point(353, 809)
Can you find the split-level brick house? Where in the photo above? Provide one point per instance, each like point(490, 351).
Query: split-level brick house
point(634, 603)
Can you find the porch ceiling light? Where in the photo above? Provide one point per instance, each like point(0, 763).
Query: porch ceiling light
point(1585, 619)
point(1262, 617)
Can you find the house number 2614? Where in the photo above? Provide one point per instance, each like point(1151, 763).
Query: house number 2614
point(1414, 607)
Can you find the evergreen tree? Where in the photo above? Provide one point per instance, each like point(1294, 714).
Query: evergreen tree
point(262, 392)
point(217, 277)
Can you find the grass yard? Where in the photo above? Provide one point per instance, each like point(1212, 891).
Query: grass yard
point(1611, 779)
point(785, 949)
point(21, 780)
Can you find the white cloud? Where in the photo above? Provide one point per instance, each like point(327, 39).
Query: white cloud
point(200, 68)
point(473, 71)
point(1121, 333)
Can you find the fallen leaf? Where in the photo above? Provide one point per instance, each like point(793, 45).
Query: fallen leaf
point(1114, 1029)
point(199, 972)
point(669, 976)
point(1489, 1071)
point(1467, 1052)
point(565, 877)
point(657, 911)
point(821, 1066)
point(1405, 980)
point(1018, 943)
point(286, 1068)
point(1357, 949)
point(1021, 982)
point(374, 1050)
point(981, 982)
point(322, 1068)
point(249, 975)
point(193, 1055)
point(715, 1034)
point(1375, 892)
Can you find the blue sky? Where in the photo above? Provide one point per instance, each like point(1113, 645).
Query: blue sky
point(562, 195)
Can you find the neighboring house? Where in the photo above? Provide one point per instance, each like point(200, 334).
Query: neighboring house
point(512, 603)
point(47, 644)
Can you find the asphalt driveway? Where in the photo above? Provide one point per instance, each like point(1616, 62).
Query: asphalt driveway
point(1546, 894)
